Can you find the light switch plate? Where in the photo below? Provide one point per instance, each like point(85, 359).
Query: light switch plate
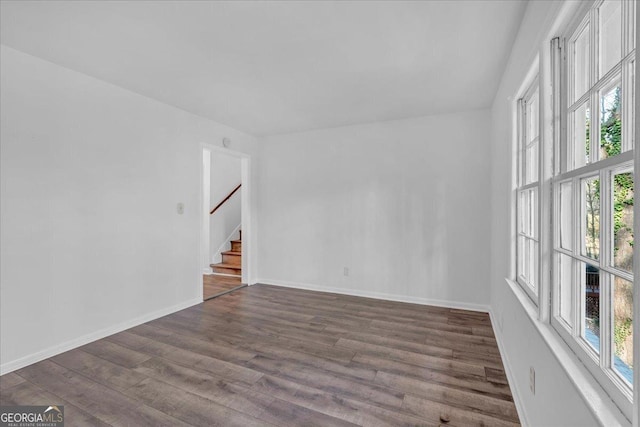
point(532, 379)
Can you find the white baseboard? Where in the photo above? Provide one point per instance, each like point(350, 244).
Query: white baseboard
point(86, 339)
point(378, 295)
point(513, 385)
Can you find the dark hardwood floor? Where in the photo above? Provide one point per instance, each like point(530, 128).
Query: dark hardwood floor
point(214, 284)
point(266, 355)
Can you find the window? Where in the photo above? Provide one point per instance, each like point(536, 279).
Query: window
point(527, 193)
point(593, 198)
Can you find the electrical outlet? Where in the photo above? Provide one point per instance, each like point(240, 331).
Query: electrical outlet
point(532, 380)
point(346, 271)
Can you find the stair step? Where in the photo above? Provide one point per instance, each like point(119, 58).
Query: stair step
point(226, 265)
point(227, 268)
point(236, 245)
point(232, 257)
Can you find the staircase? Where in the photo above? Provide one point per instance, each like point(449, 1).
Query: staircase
point(231, 260)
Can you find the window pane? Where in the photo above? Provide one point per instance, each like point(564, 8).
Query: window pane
point(533, 265)
point(522, 256)
point(591, 289)
point(623, 328)
point(591, 222)
point(565, 281)
point(610, 122)
point(533, 212)
point(610, 34)
point(531, 168)
point(632, 105)
point(523, 212)
point(566, 216)
point(532, 117)
point(623, 220)
point(581, 142)
point(581, 64)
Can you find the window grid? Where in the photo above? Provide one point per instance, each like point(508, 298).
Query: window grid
point(587, 284)
point(527, 210)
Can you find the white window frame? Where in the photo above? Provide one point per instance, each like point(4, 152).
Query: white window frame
point(600, 364)
point(528, 261)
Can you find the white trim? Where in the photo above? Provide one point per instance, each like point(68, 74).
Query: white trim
point(592, 393)
point(636, 230)
point(93, 336)
point(205, 195)
point(222, 247)
point(247, 214)
point(378, 295)
point(529, 282)
point(249, 260)
point(513, 384)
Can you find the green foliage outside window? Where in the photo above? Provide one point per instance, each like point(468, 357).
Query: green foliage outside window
point(623, 189)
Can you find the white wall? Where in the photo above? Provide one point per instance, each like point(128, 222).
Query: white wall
point(557, 401)
point(225, 177)
point(90, 238)
point(403, 204)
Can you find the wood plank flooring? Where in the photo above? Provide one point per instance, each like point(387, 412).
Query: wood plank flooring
point(215, 284)
point(267, 355)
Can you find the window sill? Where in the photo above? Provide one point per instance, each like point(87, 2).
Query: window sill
point(594, 396)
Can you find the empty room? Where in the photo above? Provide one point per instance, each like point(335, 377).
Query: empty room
point(318, 213)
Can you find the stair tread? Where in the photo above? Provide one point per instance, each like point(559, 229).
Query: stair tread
point(227, 265)
point(232, 253)
point(236, 241)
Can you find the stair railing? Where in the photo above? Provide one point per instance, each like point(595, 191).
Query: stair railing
point(225, 199)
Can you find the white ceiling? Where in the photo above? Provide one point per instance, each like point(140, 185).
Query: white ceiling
point(279, 67)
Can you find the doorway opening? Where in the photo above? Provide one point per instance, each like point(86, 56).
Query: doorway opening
point(225, 227)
